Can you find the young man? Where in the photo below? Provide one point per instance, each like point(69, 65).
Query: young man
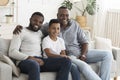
point(54, 46)
point(77, 46)
point(25, 47)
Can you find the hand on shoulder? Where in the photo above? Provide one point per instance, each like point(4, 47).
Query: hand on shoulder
point(18, 29)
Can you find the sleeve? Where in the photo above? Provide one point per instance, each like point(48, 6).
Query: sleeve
point(82, 38)
point(45, 43)
point(14, 50)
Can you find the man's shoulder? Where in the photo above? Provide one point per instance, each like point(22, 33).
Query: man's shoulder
point(45, 25)
point(74, 24)
point(72, 21)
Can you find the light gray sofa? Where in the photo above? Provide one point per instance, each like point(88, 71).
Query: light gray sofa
point(6, 69)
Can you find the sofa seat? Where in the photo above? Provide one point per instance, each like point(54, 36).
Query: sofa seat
point(44, 76)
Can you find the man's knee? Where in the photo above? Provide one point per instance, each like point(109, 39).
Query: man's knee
point(74, 67)
point(33, 64)
point(66, 61)
point(108, 55)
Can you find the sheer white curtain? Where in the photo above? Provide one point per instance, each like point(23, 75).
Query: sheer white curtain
point(101, 20)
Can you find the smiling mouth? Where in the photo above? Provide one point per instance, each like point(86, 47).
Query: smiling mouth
point(35, 27)
point(65, 21)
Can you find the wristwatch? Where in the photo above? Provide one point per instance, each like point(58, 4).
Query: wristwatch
point(83, 55)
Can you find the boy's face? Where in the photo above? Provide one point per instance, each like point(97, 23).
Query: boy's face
point(54, 29)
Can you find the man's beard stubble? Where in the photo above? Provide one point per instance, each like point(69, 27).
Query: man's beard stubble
point(34, 27)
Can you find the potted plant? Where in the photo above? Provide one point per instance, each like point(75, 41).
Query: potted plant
point(90, 8)
point(67, 4)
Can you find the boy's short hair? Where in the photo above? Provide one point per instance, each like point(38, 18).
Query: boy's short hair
point(53, 21)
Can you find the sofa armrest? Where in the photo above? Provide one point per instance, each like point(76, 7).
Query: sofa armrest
point(116, 53)
point(116, 56)
point(5, 71)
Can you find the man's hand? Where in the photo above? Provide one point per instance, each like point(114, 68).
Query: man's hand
point(82, 57)
point(40, 61)
point(18, 29)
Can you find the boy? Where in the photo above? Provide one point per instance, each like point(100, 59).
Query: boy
point(54, 46)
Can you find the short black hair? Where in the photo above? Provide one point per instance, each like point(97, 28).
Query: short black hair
point(62, 7)
point(53, 21)
point(39, 14)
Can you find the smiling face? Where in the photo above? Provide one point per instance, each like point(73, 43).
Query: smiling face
point(54, 29)
point(63, 16)
point(36, 21)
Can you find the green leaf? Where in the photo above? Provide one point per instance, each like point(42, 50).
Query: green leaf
point(67, 4)
point(90, 9)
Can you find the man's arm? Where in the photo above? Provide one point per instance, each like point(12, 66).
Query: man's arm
point(51, 53)
point(83, 41)
point(40, 61)
point(14, 50)
point(18, 29)
point(84, 50)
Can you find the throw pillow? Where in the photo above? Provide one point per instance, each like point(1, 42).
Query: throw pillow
point(4, 46)
point(103, 43)
point(7, 60)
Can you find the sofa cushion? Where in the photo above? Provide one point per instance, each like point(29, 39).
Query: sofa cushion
point(43, 76)
point(7, 60)
point(4, 46)
point(103, 43)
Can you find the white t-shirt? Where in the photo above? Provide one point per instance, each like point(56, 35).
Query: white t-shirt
point(55, 46)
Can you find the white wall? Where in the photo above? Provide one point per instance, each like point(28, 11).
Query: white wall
point(47, 7)
point(27, 7)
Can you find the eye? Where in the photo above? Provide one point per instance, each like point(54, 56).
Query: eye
point(67, 15)
point(62, 15)
point(58, 28)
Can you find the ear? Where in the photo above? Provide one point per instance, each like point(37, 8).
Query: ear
point(57, 15)
point(30, 19)
point(48, 29)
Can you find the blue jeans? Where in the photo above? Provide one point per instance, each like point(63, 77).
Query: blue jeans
point(32, 68)
point(105, 57)
point(93, 56)
point(75, 72)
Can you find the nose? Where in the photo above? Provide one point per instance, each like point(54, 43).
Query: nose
point(65, 17)
point(37, 23)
